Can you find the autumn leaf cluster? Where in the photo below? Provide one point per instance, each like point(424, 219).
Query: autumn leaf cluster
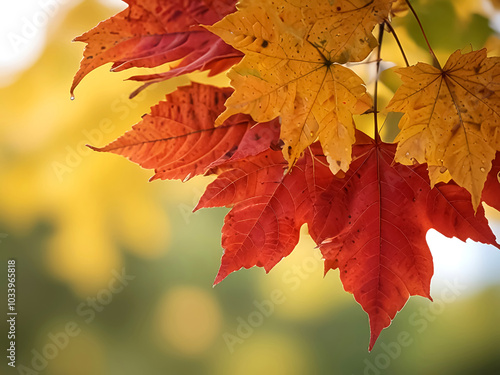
point(283, 143)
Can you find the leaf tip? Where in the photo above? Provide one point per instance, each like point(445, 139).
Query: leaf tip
point(218, 279)
point(373, 339)
point(93, 148)
point(198, 206)
point(154, 177)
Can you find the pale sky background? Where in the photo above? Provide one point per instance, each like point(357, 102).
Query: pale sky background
point(23, 31)
point(24, 25)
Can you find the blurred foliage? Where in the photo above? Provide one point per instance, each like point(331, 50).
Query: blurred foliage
point(74, 217)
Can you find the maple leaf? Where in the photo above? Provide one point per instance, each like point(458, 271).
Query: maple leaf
point(380, 214)
point(150, 33)
point(209, 53)
point(291, 69)
point(451, 118)
point(259, 138)
point(371, 224)
point(268, 207)
point(178, 138)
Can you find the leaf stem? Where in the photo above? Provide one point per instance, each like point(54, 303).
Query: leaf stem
point(393, 32)
point(436, 61)
point(375, 92)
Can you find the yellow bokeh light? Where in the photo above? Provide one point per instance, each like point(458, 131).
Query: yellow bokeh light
point(266, 354)
point(187, 320)
point(70, 360)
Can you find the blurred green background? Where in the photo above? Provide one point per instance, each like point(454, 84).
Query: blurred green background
point(114, 274)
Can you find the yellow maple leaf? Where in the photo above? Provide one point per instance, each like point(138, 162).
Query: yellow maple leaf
point(293, 51)
point(452, 118)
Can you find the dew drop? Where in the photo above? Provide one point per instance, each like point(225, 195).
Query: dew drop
point(407, 154)
point(72, 97)
point(442, 169)
point(482, 169)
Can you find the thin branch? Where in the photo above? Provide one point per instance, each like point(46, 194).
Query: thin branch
point(375, 93)
point(393, 32)
point(436, 61)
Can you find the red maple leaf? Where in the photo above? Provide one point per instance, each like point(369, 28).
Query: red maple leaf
point(379, 214)
point(269, 205)
point(150, 33)
point(371, 224)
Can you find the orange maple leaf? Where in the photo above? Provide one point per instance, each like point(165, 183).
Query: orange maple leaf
point(178, 139)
